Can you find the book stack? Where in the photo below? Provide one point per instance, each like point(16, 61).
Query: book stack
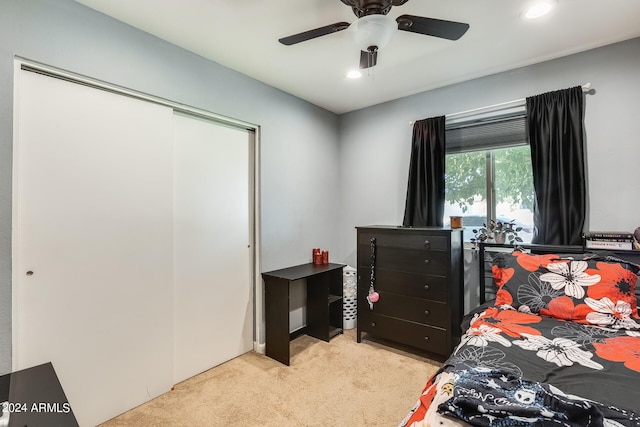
point(608, 240)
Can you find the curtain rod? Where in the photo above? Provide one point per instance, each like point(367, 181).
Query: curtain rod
point(585, 88)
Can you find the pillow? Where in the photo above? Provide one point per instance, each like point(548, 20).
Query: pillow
point(582, 288)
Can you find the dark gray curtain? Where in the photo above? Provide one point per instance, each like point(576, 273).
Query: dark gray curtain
point(556, 135)
point(425, 190)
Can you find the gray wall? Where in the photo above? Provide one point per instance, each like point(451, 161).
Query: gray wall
point(375, 142)
point(321, 175)
point(299, 141)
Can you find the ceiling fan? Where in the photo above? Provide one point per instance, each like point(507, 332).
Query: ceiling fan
point(373, 28)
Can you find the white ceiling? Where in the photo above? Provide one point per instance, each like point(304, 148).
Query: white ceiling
point(243, 35)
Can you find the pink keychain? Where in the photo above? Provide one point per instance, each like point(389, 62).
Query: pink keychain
point(374, 296)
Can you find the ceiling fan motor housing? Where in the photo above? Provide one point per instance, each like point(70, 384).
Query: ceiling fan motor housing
point(372, 7)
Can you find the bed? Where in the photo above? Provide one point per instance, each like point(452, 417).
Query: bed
point(557, 343)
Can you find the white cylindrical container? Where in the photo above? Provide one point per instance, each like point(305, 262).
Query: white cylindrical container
point(349, 297)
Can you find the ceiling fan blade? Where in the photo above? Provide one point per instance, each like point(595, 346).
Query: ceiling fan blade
point(312, 34)
point(368, 59)
point(432, 27)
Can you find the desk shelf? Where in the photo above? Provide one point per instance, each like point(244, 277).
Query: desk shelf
point(333, 331)
point(334, 298)
point(324, 305)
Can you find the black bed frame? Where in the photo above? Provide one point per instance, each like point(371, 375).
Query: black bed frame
point(487, 285)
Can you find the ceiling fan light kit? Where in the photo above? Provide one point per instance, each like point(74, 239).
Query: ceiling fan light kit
point(372, 32)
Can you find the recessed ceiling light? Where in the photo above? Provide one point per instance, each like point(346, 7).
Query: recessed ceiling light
point(538, 9)
point(354, 74)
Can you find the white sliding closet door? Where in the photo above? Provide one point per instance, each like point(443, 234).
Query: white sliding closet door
point(93, 249)
point(213, 300)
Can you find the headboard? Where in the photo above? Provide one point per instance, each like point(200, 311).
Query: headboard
point(486, 251)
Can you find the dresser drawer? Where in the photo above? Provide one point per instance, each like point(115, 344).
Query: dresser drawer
point(409, 260)
point(408, 241)
point(414, 334)
point(409, 284)
point(413, 309)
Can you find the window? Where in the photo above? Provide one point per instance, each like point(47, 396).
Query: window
point(488, 172)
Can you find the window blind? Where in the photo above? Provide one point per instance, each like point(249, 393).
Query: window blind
point(486, 133)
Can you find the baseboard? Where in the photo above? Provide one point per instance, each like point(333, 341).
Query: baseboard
point(259, 348)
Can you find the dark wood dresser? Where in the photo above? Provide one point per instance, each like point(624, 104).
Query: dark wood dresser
point(419, 278)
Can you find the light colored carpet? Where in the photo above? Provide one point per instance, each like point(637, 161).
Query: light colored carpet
point(339, 383)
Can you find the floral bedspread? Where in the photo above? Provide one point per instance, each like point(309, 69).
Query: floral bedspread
point(560, 347)
point(514, 368)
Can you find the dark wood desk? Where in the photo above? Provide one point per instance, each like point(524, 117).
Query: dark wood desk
point(324, 305)
point(33, 397)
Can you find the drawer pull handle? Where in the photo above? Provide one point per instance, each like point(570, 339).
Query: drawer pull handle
point(427, 244)
point(426, 287)
point(427, 312)
point(426, 338)
point(426, 261)
point(373, 324)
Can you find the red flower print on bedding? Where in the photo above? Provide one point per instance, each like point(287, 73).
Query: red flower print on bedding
point(617, 283)
point(532, 262)
point(563, 308)
point(510, 322)
point(621, 349)
point(501, 275)
point(503, 298)
point(426, 398)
